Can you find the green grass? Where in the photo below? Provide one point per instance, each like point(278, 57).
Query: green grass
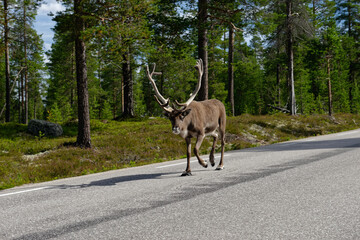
point(138, 142)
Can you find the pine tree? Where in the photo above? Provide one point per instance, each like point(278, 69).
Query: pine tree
point(292, 23)
point(24, 56)
point(121, 26)
point(7, 61)
point(202, 47)
point(83, 138)
point(348, 16)
point(62, 77)
point(172, 47)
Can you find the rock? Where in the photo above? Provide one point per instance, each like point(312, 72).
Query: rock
point(229, 137)
point(48, 128)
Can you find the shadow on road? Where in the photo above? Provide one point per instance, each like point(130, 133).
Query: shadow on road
point(305, 144)
point(285, 146)
point(116, 180)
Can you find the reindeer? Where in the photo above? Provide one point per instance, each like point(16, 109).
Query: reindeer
point(194, 119)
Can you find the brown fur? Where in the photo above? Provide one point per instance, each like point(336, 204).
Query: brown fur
point(195, 119)
point(198, 120)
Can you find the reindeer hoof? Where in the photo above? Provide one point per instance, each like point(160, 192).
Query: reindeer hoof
point(212, 161)
point(203, 164)
point(206, 164)
point(219, 168)
point(185, 173)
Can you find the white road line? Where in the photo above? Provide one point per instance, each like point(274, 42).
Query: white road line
point(314, 139)
point(288, 143)
point(309, 140)
point(24, 191)
point(348, 133)
point(176, 164)
point(298, 141)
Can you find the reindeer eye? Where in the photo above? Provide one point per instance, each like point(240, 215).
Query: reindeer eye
point(181, 117)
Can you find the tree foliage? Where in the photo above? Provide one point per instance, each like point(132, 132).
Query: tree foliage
point(320, 38)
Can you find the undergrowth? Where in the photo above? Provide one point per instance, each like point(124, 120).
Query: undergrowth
point(28, 159)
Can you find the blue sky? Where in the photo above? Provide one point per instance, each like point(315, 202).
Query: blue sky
point(43, 22)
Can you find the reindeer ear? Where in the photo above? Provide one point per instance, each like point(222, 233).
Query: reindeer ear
point(166, 114)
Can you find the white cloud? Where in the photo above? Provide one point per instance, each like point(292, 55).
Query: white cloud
point(44, 23)
point(47, 46)
point(50, 6)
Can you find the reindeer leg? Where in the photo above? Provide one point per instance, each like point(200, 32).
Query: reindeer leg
point(211, 157)
point(187, 171)
point(199, 141)
point(222, 135)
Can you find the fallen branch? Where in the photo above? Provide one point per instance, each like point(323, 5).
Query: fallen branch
point(280, 109)
point(12, 88)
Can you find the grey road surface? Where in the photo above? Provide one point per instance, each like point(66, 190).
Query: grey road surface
point(306, 189)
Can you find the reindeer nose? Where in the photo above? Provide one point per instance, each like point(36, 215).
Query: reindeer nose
point(176, 130)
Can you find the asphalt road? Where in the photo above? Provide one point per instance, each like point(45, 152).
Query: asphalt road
point(306, 189)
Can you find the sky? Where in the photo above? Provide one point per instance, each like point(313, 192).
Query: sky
point(43, 23)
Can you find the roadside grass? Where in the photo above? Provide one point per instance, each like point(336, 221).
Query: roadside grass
point(28, 159)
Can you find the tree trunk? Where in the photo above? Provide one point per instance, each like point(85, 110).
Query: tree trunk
point(329, 86)
point(26, 98)
point(314, 10)
point(83, 138)
point(122, 95)
point(19, 96)
point(73, 88)
point(290, 53)
point(34, 117)
point(278, 84)
point(128, 86)
point(291, 79)
point(11, 90)
point(350, 17)
point(115, 90)
point(351, 86)
point(351, 65)
point(278, 79)
point(231, 70)
point(202, 48)
point(22, 106)
point(7, 63)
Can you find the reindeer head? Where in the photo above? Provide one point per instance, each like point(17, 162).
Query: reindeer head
point(177, 119)
point(177, 114)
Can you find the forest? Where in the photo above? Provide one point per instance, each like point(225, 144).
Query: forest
point(260, 56)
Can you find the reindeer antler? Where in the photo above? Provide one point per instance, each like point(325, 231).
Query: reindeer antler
point(199, 66)
point(164, 103)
